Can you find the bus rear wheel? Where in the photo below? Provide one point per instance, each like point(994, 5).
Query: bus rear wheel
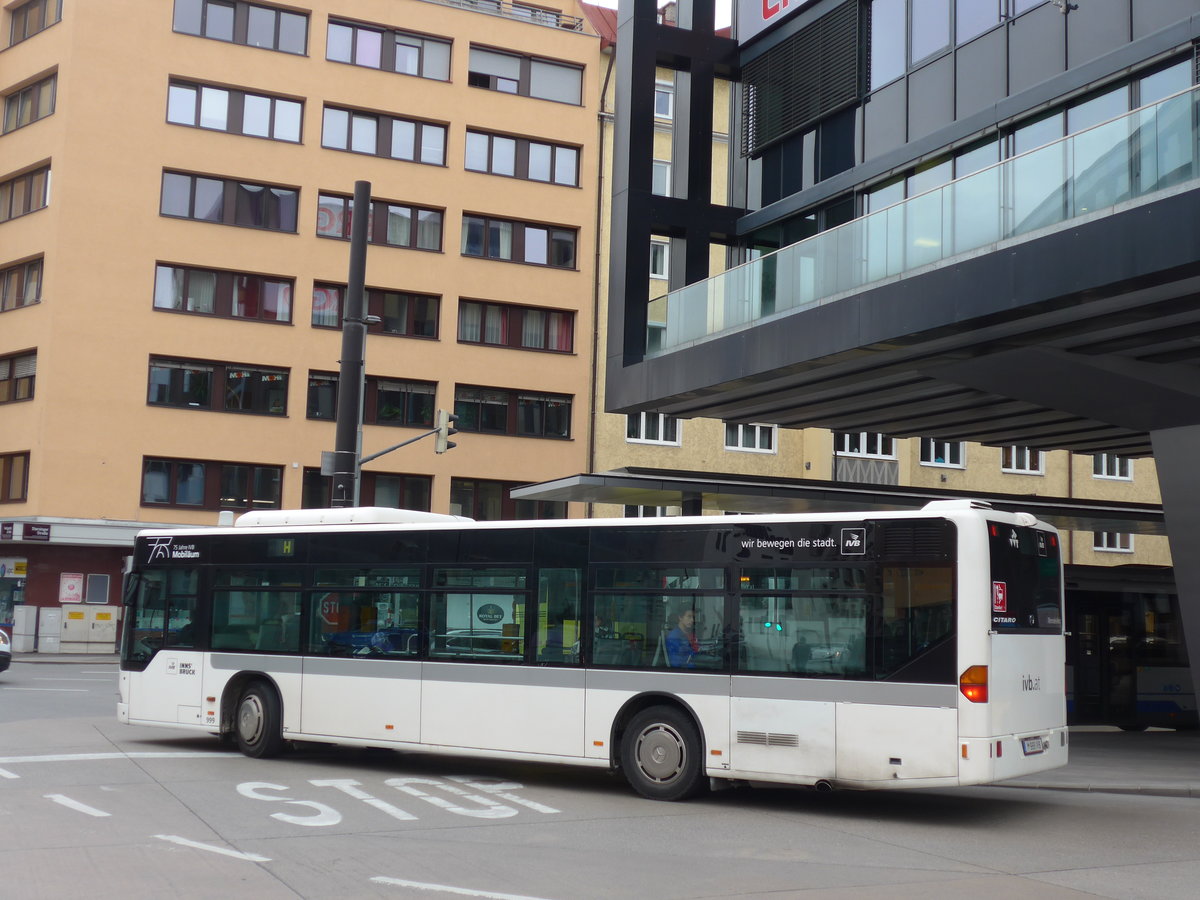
point(257, 724)
point(660, 754)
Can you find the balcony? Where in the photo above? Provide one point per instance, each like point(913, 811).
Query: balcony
point(1134, 159)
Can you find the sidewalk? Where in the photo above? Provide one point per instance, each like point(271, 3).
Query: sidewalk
point(1157, 762)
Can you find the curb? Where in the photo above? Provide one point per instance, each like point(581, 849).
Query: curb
point(1154, 790)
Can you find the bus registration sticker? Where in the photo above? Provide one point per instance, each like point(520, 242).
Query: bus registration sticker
point(999, 596)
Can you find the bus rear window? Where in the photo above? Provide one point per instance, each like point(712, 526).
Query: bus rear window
point(1026, 580)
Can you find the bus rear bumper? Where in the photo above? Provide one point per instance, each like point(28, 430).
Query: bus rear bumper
point(1000, 757)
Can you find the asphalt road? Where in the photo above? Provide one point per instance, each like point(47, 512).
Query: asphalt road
point(90, 808)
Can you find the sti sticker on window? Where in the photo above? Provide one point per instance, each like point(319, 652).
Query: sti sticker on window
point(999, 597)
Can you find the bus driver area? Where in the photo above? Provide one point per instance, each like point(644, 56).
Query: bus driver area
point(845, 650)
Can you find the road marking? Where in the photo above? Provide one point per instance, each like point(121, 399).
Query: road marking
point(224, 851)
point(447, 889)
point(90, 757)
point(100, 680)
point(76, 805)
point(4, 773)
point(51, 690)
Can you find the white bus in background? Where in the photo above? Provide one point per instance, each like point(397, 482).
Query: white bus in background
point(883, 650)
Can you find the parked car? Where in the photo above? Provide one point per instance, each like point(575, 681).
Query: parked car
point(5, 651)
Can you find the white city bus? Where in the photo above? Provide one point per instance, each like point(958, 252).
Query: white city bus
point(883, 650)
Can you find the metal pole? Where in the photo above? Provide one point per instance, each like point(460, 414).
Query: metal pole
point(350, 375)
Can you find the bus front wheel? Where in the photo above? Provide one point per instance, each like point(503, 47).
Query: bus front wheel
point(257, 725)
point(660, 754)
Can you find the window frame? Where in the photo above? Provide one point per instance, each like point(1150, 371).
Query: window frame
point(214, 475)
point(953, 453)
point(219, 386)
point(233, 190)
point(39, 106)
point(375, 299)
point(885, 445)
point(24, 193)
point(225, 292)
point(1018, 459)
point(415, 491)
point(660, 247)
point(522, 157)
point(377, 230)
point(19, 15)
point(384, 125)
point(389, 39)
point(240, 24)
point(518, 234)
point(18, 376)
point(507, 508)
point(515, 402)
point(512, 325)
point(742, 431)
point(523, 84)
point(1103, 465)
point(235, 107)
point(664, 424)
point(15, 281)
point(1112, 542)
point(9, 470)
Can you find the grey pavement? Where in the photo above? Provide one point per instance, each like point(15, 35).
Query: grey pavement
point(1159, 761)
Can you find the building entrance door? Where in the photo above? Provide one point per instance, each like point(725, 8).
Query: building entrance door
point(1100, 655)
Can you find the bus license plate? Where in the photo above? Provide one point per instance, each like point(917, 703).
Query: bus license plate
point(1033, 745)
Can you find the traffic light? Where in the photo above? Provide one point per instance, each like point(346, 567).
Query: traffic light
point(445, 428)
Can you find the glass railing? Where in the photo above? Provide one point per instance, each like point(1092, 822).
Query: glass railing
point(1147, 151)
point(535, 14)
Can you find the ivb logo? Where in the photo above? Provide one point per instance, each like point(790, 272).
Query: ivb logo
point(854, 541)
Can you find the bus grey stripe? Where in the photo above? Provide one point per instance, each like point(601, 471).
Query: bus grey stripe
point(286, 665)
point(522, 676)
point(714, 685)
point(878, 693)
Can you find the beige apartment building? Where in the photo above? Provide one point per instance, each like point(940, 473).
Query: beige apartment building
point(176, 182)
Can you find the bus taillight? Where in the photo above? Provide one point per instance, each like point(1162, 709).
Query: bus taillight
point(974, 684)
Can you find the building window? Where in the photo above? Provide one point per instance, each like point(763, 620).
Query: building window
point(537, 244)
point(941, 453)
point(390, 401)
point(36, 101)
point(391, 224)
point(532, 160)
point(1112, 541)
point(652, 428)
point(660, 258)
point(386, 401)
point(660, 178)
point(24, 193)
point(14, 477)
point(234, 295)
point(398, 312)
point(228, 202)
point(394, 491)
point(208, 484)
point(17, 374)
point(251, 24)
point(392, 51)
point(1021, 460)
point(522, 327)
point(523, 413)
point(528, 76)
point(864, 443)
point(382, 135)
point(650, 512)
point(930, 31)
point(664, 100)
point(489, 500)
point(1109, 465)
point(888, 28)
point(234, 111)
point(752, 437)
point(30, 18)
point(972, 18)
point(217, 386)
point(21, 285)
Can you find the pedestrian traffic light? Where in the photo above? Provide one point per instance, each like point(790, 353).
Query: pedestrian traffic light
point(445, 428)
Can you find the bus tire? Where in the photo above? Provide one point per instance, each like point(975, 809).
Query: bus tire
point(660, 754)
point(257, 724)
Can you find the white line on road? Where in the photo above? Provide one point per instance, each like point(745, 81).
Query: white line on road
point(101, 680)
point(76, 805)
point(447, 889)
point(90, 757)
point(4, 773)
point(184, 842)
point(50, 690)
